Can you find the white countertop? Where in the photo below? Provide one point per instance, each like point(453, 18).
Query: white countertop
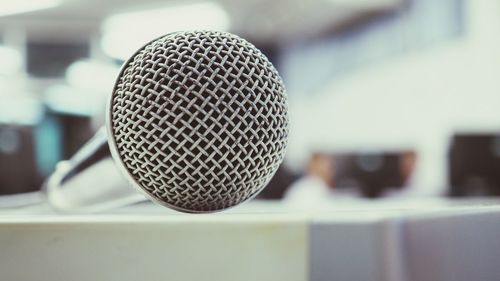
point(346, 240)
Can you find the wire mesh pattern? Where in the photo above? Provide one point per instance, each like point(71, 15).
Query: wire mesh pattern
point(200, 120)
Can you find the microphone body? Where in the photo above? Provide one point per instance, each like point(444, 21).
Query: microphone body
point(197, 121)
point(90, 181)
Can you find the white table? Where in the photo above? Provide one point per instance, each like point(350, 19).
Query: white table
point(347, 240)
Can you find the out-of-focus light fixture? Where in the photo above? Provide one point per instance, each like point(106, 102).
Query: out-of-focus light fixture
point(11, 61)
point(91, 75)
point(24, 6)
point(367, 4)
point(126, 32)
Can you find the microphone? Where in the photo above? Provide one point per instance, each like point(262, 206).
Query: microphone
point(197, 121)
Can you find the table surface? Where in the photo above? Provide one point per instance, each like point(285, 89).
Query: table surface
point(342, 240)
point(351, 209)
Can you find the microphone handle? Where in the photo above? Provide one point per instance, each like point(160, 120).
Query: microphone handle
point(95, 150)
point(89, 181)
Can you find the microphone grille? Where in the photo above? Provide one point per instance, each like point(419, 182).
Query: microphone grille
point(199, 120)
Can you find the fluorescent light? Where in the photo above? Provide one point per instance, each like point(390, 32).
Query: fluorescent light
point(23, 6)
point(11, 61)
point(93, 76)
point(125, 33)
point(367, 4)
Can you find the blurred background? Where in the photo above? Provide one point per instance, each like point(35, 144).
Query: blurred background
point(388, 98)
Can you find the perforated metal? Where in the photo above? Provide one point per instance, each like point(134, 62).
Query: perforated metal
point(199, 120)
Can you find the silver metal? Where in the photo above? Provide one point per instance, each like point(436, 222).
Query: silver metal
point(198, 121)
point(89, 181)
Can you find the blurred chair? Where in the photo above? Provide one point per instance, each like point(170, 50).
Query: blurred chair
point(474, 165)
point(278, 185)
point(19, 172)
point(374, 174)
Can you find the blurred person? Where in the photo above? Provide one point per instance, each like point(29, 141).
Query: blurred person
point(407, 169)
point(316, 184)
point(407, 164)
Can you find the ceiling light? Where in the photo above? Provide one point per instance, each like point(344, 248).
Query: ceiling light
point(126, 32)
point(368, 4)
point(23, 6)
point(11, 61)
point(91, 75)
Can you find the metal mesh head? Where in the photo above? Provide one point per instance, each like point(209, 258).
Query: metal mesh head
point(199, 120)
